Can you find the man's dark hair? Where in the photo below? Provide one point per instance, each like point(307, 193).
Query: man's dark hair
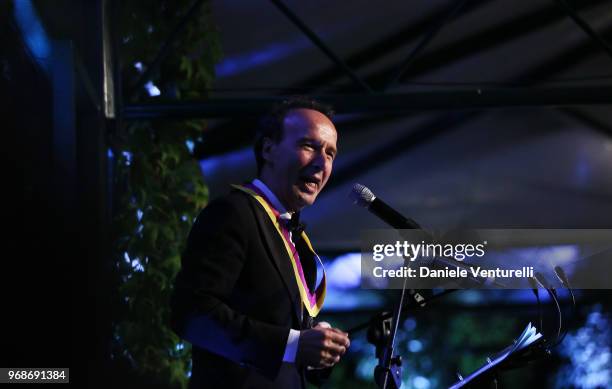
point(271, 125)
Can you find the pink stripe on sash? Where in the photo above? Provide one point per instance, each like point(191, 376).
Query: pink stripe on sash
point(312, 297)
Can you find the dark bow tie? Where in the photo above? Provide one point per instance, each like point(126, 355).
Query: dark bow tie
point(295, 226)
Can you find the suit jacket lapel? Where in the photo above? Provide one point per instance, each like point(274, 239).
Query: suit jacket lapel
point(278, 254)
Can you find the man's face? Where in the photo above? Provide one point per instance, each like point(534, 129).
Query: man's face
point(298, 167)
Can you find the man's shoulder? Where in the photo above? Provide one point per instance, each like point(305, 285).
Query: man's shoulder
point(234, 203)
point(230, 209)
point(234, 198)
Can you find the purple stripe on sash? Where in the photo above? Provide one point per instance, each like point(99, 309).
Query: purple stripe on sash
point(312, 297)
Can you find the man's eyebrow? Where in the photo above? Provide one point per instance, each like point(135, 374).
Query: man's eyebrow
point(306, 139)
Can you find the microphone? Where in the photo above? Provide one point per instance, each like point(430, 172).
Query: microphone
point(534, 286)
point(540, 279)
point(562, 276)
point(363, 197)
point(536, 291)
point(565, 281)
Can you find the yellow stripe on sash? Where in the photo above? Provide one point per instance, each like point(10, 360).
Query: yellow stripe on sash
point(321, 290)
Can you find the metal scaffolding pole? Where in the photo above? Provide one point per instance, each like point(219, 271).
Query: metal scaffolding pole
point(428, 37)
point(474, 98)
point(320, 44)
point(585, 27)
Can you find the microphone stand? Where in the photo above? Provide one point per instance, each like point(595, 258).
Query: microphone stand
point(382, 330)
point(418, 302)
point(565, 282)
point(382, 333)
point(388, 372)
point(540, 279)
point(536, 292)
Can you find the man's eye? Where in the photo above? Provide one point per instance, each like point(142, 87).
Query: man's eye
point(307, 146)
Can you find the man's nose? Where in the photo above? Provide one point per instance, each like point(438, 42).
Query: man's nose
point(318, 160)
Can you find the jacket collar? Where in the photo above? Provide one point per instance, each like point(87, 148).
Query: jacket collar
point(278, 254)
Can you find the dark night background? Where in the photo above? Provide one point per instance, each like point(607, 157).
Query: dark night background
point(461, 114)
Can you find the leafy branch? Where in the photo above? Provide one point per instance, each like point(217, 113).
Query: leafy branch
point(158, 185)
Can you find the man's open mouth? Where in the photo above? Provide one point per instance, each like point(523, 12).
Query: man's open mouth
point(311, 184)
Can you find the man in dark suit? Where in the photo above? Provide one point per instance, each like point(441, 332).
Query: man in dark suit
point(247, 291)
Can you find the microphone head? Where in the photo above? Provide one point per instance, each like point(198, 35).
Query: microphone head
point(541, 280)
point(361, 195)
point(561, 276)
point(534, 284)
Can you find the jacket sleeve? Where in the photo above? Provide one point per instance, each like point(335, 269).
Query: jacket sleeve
point(318, 377)
point(216, 250)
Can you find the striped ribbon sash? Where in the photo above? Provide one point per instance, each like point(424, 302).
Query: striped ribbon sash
point(312, 301)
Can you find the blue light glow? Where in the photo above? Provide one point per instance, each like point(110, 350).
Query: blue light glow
point(560, 255)
point(415, 346)
point(128, 157)
point(345, 271)
point(410, 324)
point(550, 255)
point(420, 382)
point(471, 297)
point(243, 62)
point(589, 351)
point(152, 90)
point(33, 32)
point(139, 67)
point(338, 300)
point(190, 145)
point(215, 165)
point(137, 266)
point(582, 172)
point(365, 367)
point(360, 345)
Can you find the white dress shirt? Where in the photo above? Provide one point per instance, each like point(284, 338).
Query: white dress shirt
point(294, 335)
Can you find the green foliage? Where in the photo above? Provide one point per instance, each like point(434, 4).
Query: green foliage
point(158, 185)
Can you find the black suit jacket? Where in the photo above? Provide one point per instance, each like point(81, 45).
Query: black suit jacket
point(236, 298)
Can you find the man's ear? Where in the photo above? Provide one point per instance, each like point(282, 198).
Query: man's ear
point(268, 148)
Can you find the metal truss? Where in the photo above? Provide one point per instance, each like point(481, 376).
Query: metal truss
point(385, 103)
point(363, 101)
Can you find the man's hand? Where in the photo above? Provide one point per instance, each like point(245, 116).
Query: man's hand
point(321, 346)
